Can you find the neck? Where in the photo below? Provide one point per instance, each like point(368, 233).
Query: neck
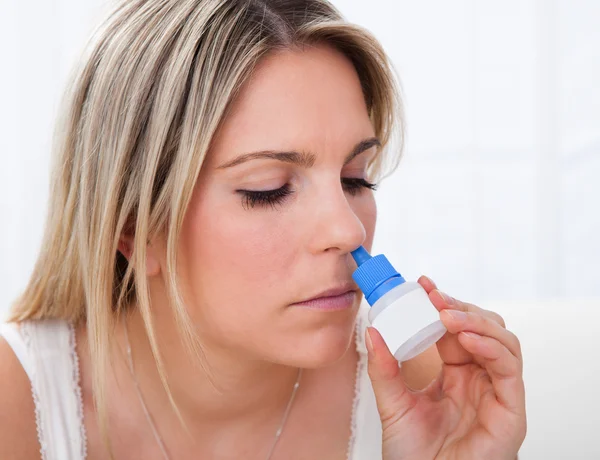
point(239, 388)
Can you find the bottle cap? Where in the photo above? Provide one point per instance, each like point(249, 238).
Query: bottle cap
point(375, 276)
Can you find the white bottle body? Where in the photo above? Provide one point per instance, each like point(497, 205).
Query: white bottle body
point(407, 320)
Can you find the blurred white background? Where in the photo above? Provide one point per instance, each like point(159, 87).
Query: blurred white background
point(497, 198)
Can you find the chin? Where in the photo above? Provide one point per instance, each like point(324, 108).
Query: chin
point(322, 345)
point(329, 351)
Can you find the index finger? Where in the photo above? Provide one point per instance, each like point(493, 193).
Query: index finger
point(443, 301)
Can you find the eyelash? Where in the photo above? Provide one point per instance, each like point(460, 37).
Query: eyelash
point(272, 198)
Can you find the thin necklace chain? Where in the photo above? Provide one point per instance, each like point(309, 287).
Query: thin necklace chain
point(157, 436)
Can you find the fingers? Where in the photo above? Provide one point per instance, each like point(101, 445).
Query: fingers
point(449, 347)
point(393, 397)
point(503, 367)
point(427, 284)
point(480, 336)
point(441, 301)
point(457, 321)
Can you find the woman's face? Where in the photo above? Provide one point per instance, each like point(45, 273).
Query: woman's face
point(262, 233)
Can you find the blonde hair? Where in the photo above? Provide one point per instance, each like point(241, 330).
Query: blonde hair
point(137, 119)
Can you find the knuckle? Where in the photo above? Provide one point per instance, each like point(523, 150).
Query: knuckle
point(488, 313)
point(516, 342)
point(499, 319)
point(472, 308)
point(478, 321)
point(495, 317)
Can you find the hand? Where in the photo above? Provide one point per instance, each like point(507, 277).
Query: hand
point(475, 408)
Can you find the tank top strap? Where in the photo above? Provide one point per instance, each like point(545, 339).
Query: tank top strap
point(46, 350)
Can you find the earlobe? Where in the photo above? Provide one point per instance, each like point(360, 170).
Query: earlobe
point(152, 263)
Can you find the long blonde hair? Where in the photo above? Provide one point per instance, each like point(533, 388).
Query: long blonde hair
point(136, 122)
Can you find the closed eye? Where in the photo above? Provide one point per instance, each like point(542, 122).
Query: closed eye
point(252, 198)
point(354, 185)
point(272, 198)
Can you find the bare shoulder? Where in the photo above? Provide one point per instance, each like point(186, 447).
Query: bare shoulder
point(18, 432)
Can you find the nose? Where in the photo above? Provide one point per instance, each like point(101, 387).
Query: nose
point(336, 227)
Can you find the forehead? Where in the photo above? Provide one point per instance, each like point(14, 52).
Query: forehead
point(308, 98)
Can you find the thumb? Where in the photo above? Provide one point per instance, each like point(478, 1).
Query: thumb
point(394, 398)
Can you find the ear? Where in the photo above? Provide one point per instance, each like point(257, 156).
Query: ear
point(125, 247)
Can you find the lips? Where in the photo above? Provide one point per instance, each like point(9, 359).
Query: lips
point(336, 298)
point(333, 292)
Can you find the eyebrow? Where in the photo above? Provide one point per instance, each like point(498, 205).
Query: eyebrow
point(304, 159)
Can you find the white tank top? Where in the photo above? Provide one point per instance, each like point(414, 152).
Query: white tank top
point(46, 350)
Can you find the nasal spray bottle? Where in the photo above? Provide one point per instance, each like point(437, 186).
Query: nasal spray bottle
point(400, 310)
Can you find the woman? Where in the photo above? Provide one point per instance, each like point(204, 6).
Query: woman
point(193, 297)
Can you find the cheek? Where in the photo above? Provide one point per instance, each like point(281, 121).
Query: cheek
point(238, 257)
point(239, 265)
point(258, 247)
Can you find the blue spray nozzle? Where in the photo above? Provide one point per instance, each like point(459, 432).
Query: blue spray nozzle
point(375, 276)
point(361, 255)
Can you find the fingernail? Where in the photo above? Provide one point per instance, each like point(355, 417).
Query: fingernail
point(429, 279)
point(471, 335)
point(370, 349)
point(456, 315)
point(449, 300)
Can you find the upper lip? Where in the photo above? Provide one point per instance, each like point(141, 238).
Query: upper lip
point(334, 291)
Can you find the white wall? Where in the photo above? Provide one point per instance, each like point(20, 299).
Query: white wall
point(497, 197)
